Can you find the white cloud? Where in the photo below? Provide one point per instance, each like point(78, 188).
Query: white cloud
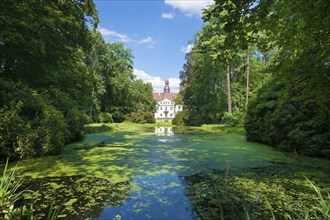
point(174, 84)
point(167, 15)
point(149, 41)
point(189, 7)
point(156, 82)
point(113, 36)
point(187, 48)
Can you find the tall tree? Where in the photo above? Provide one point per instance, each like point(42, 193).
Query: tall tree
point(247, 80)
point(37, 37)
point(229, 102)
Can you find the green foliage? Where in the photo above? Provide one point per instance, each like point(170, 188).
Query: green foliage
point(219, 195)
point(290, 38)
point(9, 193)
point(204, 80)
point(105, 117)
point(74, 118)
point(28, 52)
point(231, 120)
point(181, 118)
point(30, 125)
point(117, 115)
point(49, 82)
point(289, 119)
point(295, 120)
point(140, 117)
point(142, 97)
point(43, 79)
point(323, 206)
point(320, 210)
point(113, 88)
point(202, 89)
point(257, 128)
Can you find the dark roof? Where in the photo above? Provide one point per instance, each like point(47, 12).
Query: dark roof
point(161, 96)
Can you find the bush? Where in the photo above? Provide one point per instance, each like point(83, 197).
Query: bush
point(232, 120)
point(30, 126)
point(289, 119)
point(181, 118)
point(74, 119)
point(105, 117)
point(117, 115)
point(140, 117)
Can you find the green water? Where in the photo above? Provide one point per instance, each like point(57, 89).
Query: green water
point(155, 174)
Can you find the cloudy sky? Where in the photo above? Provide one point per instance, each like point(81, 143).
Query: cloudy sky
point(157, 31)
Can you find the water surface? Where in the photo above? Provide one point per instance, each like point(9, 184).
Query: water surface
point(145, 175)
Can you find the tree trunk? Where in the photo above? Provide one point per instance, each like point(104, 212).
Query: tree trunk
point(247, 82)
point(230, 111)
point(91, 108)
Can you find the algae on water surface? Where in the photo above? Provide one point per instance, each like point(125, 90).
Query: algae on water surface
point(131, 162)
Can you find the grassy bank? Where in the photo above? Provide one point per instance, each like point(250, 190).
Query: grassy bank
point(128, 126)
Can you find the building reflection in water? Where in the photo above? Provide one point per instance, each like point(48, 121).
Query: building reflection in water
point(164, 131)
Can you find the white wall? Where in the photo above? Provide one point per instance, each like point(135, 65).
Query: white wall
point(169, 107)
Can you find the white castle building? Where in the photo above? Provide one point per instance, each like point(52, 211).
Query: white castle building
point(165, 104)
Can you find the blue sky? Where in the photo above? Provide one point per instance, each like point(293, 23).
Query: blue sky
point(157, 31)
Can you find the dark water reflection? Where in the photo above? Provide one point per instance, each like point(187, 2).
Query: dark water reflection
point(153, 197)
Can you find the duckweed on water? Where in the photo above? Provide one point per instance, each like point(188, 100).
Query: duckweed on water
point(222, 194)
point(78, 197)
point(140, 174)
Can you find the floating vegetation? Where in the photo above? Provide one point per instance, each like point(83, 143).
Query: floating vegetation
point(78, 197)
point(268, 192)
point(135, 174)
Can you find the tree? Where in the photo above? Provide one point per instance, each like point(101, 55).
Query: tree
point(218, 60)
point(43, 74)
point(34, 47)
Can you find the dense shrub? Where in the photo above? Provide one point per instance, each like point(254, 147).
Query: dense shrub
point(105, 117)
point(289, 119)
point(35, 124)
point(117, 115)
point(232, 120)
point(29, 125)
point(140, 117)
point(181, 118)
point(74, 118)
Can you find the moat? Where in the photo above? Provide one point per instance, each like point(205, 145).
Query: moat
point(160, 173)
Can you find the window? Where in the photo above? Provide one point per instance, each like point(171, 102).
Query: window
point(160, 114)
point(160, 107)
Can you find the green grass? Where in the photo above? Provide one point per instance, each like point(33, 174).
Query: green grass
point(128, 126)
